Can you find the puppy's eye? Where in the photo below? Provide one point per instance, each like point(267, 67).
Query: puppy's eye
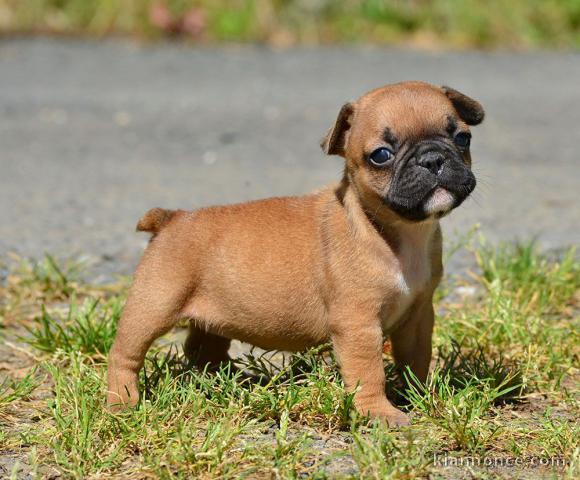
point(380, 157)
point(462, 139)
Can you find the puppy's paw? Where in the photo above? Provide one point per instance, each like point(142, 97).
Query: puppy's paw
point(396, 418)
point(118, 402)
point(123, 390)
point(386, 413)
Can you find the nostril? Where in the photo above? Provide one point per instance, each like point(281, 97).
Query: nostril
point(432, 162)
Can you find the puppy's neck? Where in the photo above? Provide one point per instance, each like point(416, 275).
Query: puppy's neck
point(377, 218)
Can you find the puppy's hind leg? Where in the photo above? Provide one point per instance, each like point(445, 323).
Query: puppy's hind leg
point(204, 348)
point(152, 309)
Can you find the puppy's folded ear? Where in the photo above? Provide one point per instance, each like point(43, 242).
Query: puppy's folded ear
point(469, 110)
point(334, 142)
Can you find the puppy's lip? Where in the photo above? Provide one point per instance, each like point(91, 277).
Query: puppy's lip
point(439, 202)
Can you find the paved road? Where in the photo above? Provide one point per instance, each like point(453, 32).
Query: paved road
point(94, 134)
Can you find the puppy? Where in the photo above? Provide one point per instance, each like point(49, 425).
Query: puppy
point(350, 264)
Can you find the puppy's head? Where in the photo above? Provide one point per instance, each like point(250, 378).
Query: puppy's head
point(406, 147)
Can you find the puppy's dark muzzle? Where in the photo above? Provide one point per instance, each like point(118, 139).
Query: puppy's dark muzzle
point(431, 165)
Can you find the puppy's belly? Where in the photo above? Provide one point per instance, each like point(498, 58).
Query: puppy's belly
point(272, 325)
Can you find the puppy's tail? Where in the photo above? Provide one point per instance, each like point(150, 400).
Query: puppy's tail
point(154, 220)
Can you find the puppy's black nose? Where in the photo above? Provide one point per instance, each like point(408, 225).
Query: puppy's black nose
point(432, 161)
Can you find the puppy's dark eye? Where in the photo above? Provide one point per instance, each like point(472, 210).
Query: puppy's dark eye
point(380, 157)
point(462, 139)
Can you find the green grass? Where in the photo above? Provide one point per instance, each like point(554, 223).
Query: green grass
point(89, 328)
point(12, 390)
point(504, 384)
point(457, 23)
point(462, 411)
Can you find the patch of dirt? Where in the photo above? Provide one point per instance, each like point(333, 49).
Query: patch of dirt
point(21, 415)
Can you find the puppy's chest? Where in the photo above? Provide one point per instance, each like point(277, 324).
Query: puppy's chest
point(408, 279)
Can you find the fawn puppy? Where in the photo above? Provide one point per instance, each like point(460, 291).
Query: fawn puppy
point(351, 263)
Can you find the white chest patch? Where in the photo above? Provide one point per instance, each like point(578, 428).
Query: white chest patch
point(414, 271)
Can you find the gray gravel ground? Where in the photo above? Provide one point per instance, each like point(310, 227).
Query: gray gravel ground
point(94, 134)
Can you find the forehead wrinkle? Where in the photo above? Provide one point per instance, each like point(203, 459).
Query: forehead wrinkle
point(389, 137)
point(451, 124)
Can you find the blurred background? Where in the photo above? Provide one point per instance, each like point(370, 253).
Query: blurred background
point(112, 107)
point(428, 23)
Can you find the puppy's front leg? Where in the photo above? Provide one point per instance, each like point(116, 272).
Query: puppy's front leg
point(358, 350)
point(411, 341)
